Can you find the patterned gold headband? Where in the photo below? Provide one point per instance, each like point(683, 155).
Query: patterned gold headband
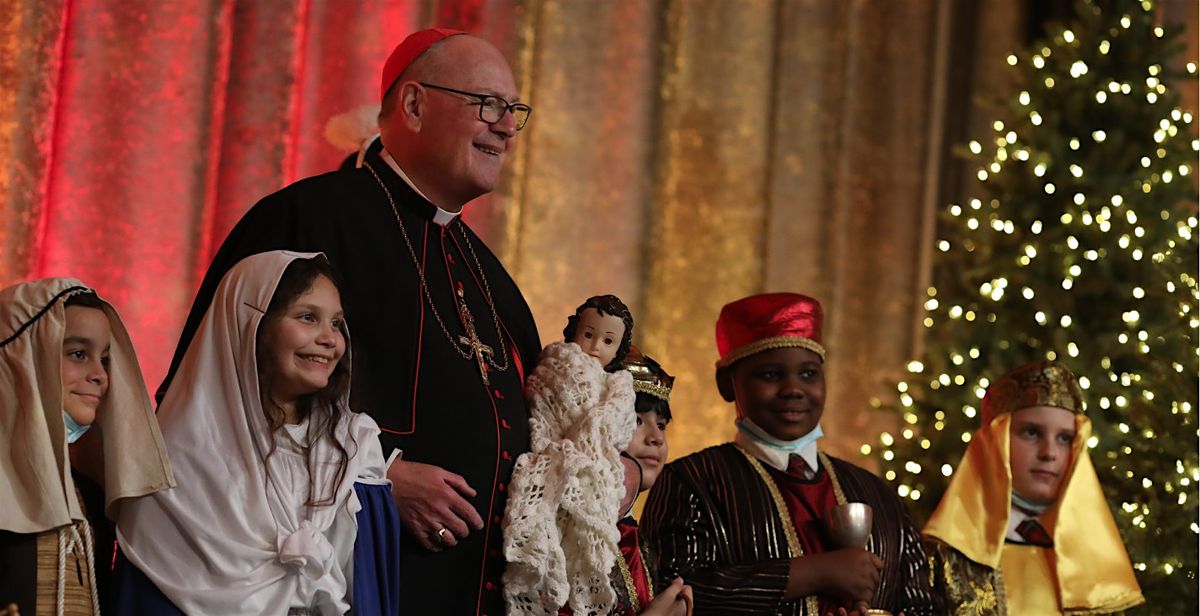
point(1036, 384)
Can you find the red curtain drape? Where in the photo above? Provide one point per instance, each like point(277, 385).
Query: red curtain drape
point(135, 133)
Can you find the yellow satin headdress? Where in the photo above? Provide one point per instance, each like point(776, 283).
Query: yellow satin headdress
point(1089, 559)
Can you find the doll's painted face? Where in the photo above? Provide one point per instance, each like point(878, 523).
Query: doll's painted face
point(1040, 451)
point(85, 362)
point(599, 335)
point(304, 343)
point(781, 390)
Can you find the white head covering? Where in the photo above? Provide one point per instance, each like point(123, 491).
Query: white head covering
point(228, 540)
point(35, 469)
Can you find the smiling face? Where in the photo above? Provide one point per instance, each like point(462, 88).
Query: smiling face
point(649, 446)
point(1040, 451)
point(780, 390)
point(599, 335)
point(85, 362)
point(303, 343)
point(438, 137)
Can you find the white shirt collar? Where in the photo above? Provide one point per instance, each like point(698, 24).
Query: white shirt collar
point(776, 458)
point(1016, 515)
point(441, 217)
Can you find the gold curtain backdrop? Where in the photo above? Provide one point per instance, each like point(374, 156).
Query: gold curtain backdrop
point(687, 153)
point(682, 154)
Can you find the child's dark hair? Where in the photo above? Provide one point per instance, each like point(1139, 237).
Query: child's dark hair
point(605, 305)
point(644, 403)
point(85, 299)
point(324, 408)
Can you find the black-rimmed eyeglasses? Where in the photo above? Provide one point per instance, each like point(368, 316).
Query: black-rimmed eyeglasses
point(491, 108)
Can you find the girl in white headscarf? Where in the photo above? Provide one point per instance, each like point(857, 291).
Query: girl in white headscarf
point(67, 367)
point(276, 476)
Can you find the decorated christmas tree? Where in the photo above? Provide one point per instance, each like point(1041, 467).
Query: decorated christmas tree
point(1081, 247)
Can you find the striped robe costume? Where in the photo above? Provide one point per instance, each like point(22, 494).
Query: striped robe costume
point(712, 520)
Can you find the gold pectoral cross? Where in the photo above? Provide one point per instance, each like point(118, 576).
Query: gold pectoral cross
point(481, 351)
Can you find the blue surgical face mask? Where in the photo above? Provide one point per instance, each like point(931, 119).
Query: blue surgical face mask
point(74, 430)
point(760, 436)
point(1029, 506)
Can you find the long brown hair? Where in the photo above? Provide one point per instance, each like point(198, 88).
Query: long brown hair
point(323, 408)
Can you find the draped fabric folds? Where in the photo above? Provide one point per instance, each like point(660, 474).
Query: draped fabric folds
point(691, 152)
point(134, 133)
point(682, 153)
point(376, 552)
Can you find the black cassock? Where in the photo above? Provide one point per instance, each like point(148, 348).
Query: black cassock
point(428, 400)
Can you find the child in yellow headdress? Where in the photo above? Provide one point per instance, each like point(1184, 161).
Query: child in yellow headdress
point(1024, 527)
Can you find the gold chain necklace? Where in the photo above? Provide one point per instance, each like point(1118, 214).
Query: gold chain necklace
point(475, 349)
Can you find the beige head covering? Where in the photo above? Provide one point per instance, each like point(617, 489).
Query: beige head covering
point(35, 469)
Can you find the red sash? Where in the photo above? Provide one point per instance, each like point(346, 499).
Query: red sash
point(632, 554)
point(807, 500)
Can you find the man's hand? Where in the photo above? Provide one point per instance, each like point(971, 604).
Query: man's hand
point(674, 600)
point(431, 498)
point(851, 573)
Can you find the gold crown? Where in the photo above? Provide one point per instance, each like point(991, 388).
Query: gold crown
point(654, 389)
point(648, 376)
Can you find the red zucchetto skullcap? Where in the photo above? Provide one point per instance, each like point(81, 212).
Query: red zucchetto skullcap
point(769, 321)
point(408, 50)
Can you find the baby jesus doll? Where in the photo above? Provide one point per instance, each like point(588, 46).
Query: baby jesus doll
point(560, 536)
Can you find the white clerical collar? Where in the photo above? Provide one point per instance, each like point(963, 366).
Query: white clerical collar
point(441, 217)
point(775, 452)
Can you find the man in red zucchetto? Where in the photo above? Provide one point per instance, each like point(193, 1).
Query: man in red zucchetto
point(742, 521)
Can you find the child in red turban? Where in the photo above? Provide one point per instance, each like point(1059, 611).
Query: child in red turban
point(742, 521)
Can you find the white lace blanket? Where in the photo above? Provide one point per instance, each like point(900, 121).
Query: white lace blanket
point(560, 526)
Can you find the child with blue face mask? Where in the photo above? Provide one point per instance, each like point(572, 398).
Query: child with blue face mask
point(745, 522)
point(86, 344)
point(67, 365)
